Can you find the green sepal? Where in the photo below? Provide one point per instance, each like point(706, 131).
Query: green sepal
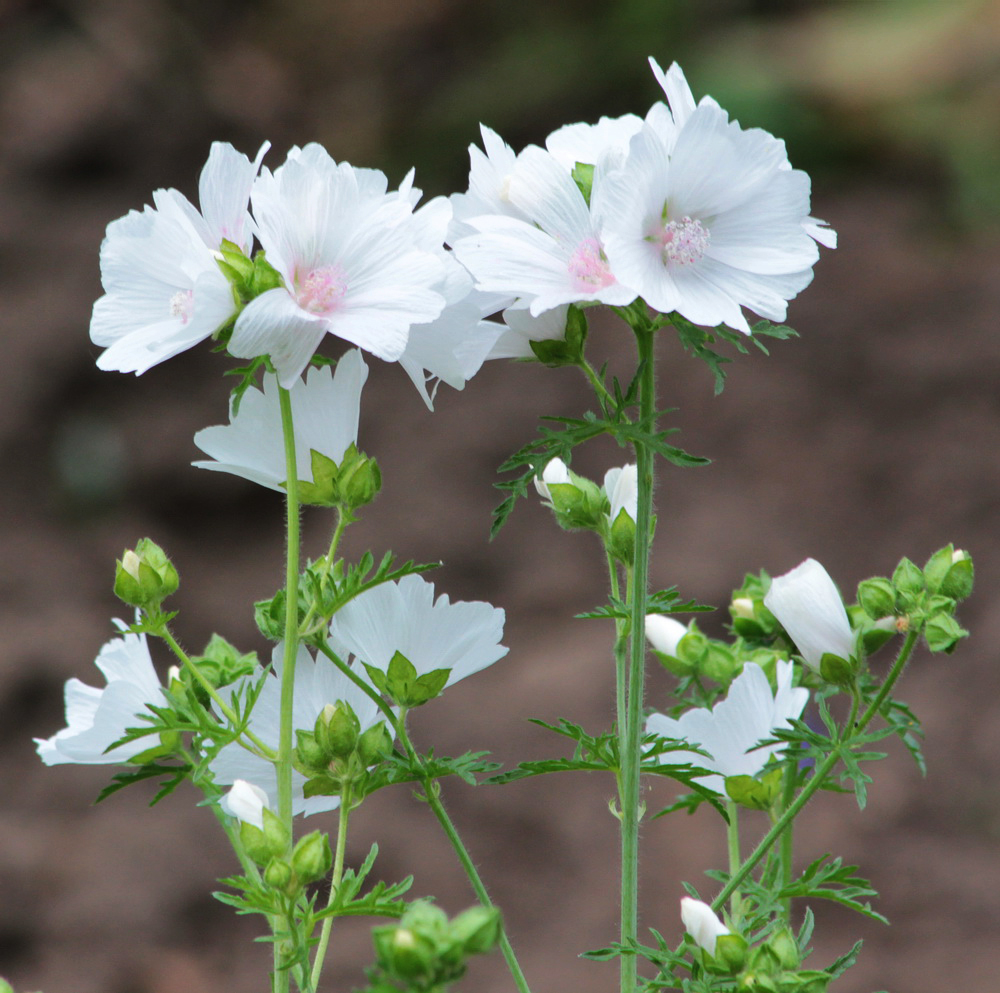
point(583, 176)
point(756, 794)
point(375, 744)
point(322, 785)
point(621, 538)
point(568, 350)
point(280, 876)
point(943, 633)
point(837, 670)
point(476, 930)
point(730, 955)
point(719, 664)
point(950, 573)
point(877, 597)
point(308, 751)
point(401, 684)
point(908, 578)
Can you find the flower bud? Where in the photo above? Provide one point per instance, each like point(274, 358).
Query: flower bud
point(312, 858)
point(279, 876)
point(807, 605)
point(337, 729)
point(877, 597)
point(908, 578)
point(246, 803)
point(577, 502)
point(145, 577)
point(958, 580)
point(664, 633)
point(375, 744)
point(702, 923)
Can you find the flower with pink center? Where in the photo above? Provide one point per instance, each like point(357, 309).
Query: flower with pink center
point(350, 255)
point(164, 291)
point(556, 259)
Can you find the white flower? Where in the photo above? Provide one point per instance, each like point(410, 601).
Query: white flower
point(432, 634)
point(489, 185)
point(809, 608)
point(556, 258)
point(555, 471)
point(452, 347)
point(702, 923)
point(96, 718)
point(164, 291)
point(621, 486)
point(349, 256)
point(246, 803)
point(705, 218)
point(729, 731)
point(589, 143)
point(317, 683)
point(664, 633)
point(325, 411)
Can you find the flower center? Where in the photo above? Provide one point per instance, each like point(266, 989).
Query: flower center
point(182, 305)
point(588, 267)
point(322, 289)
point(681, 242)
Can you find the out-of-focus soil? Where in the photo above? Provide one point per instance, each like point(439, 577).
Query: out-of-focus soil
point(873, 437)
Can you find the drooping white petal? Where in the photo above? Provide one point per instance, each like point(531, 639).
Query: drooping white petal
point(246, 803)
point(325, 411)
point(808, 606)
point(432, 634)
point(621, 486)
point(664, 633)
point(729, 732)
point(555, 471)
point(96, 718)
point(702, 923)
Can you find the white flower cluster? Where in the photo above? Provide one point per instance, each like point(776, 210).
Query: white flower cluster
point(356, 260)
point(684, 208)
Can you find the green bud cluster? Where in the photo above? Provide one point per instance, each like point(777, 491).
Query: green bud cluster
point(401, 684)
point(145, 577)
point(336, 754)
point(310, 860)
point(751, 619)
point(424, 950)
point(221, 663)
point(773, 967)
point(915, 596)
point(350, 484)
point(715, 660)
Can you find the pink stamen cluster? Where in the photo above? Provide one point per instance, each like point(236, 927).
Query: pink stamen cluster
point(589, 268)
point(322, 289)
point(182, 305)
point(682, 242)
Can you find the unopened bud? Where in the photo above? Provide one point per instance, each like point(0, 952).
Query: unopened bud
point(312, 858)
point(145, 576)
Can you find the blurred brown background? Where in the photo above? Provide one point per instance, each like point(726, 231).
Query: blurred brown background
point(874, 436)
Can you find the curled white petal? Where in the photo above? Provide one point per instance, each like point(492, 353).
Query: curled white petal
point(808, 606)
point(246, 803)
point(702, 923)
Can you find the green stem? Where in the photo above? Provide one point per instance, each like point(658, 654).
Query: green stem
point(283, 765)
point(821, 772)
point(338, 872)
point(432, 794)
point(342, 521)
point(733, 839)
point(630, 757)
point(788, 838)
point(621, 650)
point(263, 749)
